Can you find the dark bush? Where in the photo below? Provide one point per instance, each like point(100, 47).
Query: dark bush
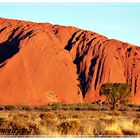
point(10, 107)
point(130, 132)
point(43, 108)
point(27, 108)
point(2, 108)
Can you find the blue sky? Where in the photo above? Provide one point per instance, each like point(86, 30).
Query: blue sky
point(115, 20)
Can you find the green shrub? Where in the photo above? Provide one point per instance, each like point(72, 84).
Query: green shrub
point(116, 93)
point(43, 108)
point(56, 104)
point(27, 108)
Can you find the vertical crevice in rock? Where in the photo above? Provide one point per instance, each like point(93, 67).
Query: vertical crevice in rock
point(97, 74)
point(135, 86)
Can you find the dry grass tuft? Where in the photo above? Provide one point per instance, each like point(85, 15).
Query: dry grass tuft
point(47, 115)
point(22, 116)
point(48, 120)
point(114, 113)
point(99, 128)
point(69, 127)
point(107, 122)
point(137, 122)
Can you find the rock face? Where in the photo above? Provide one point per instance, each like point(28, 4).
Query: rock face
point(43, 63)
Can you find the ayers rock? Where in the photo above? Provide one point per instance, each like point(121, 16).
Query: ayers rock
point(43, 63)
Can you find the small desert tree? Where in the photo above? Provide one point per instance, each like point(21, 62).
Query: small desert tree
point(115, 93)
